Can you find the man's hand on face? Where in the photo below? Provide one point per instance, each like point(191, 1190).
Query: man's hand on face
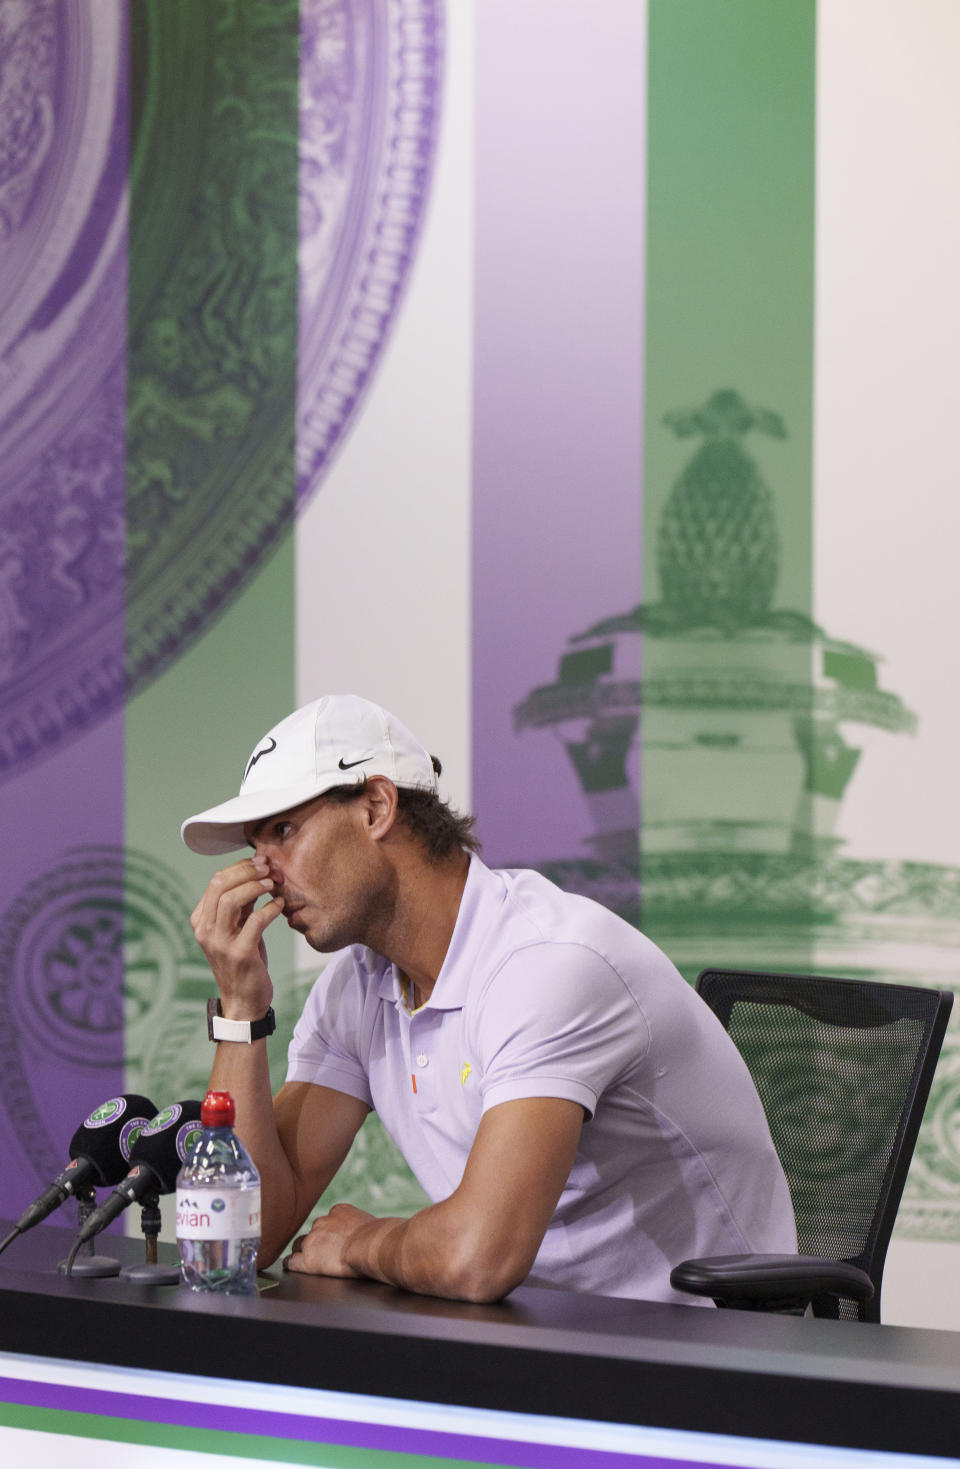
point(323, 1250)
point(229, 929)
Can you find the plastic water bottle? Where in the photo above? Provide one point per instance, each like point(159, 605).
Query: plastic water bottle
point(218, 1206)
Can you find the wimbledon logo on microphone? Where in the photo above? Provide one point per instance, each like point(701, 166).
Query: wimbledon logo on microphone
point(165, 1118)
point(188, 1135)
point(129, 1133)
point(107, 1112)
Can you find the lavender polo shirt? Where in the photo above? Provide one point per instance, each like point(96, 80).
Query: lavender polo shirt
point(544, 994)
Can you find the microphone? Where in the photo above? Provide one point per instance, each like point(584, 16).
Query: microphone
point(100, 1152)
point(157, 1156)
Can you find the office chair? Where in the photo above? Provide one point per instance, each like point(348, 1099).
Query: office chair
point(843, 1068)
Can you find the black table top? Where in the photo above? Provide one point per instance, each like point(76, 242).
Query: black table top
point(538, 1351)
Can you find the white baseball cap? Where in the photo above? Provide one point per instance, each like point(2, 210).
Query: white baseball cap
point(335, 741)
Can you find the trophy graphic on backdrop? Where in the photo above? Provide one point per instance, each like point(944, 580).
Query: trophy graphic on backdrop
point(713, 736)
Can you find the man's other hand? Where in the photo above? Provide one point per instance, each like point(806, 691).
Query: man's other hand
point(323, 1251)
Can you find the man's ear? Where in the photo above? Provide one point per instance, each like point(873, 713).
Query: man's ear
point(379, 806)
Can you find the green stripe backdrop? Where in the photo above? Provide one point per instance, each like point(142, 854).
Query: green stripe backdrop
point(727, 491)
point(211, 401)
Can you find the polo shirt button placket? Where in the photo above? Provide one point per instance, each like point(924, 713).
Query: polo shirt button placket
point(420, 1081)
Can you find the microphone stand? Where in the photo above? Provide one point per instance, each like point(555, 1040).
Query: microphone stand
point(86, 1262)
point(151, 1272)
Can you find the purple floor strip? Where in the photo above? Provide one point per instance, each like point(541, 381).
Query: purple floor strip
point(384, 1438)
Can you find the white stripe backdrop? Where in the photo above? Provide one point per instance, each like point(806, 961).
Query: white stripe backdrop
point(887, 512)
point(383, 550)
point(887, 509)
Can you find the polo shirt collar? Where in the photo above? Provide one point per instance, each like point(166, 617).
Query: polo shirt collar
point(483, 894)
point(390, 986)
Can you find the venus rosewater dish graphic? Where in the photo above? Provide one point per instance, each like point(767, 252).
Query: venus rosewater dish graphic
point(207, 220)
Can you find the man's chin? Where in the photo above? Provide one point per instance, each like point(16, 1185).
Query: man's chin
point(300, 925)
point(323, 941)
point(316, 941)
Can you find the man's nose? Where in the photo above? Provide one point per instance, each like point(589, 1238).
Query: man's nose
point(265, 852)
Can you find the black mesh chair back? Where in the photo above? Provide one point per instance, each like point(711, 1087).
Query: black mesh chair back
point(843, 1068)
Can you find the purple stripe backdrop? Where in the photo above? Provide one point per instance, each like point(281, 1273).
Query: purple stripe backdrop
point(49, 1073)
point(560, 211)
point(63, 299)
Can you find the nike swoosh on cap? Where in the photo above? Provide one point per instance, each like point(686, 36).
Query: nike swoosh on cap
point(349, 764)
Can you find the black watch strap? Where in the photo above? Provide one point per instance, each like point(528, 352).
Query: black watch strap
point(247, 1031)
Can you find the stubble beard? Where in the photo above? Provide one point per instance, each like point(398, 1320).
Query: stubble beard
point(368, 923)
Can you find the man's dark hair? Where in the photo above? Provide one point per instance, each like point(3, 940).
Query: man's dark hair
point(440, 830)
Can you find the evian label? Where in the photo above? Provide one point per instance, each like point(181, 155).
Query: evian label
point(207, 1214)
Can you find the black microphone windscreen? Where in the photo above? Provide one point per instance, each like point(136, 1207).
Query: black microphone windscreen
point(106, 1138)
point(164, 1142)
point(99, 1154)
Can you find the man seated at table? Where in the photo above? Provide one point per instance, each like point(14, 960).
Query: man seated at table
point(575, 1111)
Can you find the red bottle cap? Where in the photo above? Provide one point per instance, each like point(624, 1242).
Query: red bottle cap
point(218, 1110)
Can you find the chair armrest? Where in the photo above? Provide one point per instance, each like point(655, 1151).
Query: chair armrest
point(770, 1282)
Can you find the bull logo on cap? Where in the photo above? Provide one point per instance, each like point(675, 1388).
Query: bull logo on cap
point(258, 755)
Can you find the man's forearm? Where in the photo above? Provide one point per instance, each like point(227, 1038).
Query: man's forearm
point(242, 1070)
point(431, 1255)
point(482, 1240)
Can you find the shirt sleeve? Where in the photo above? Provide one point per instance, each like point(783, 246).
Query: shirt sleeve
point(556, 1020)
point(325, 1048)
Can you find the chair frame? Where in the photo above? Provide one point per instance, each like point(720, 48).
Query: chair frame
point(792, 1283)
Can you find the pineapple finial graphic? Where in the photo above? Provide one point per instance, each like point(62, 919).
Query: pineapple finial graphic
point(718, 547)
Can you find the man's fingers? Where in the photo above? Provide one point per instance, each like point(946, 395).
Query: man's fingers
point(240, 871)
point(260, 918)
point(295, 1261)
point(237, 901)
point(250, 873)
point(233, 907)
point(229, 927)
